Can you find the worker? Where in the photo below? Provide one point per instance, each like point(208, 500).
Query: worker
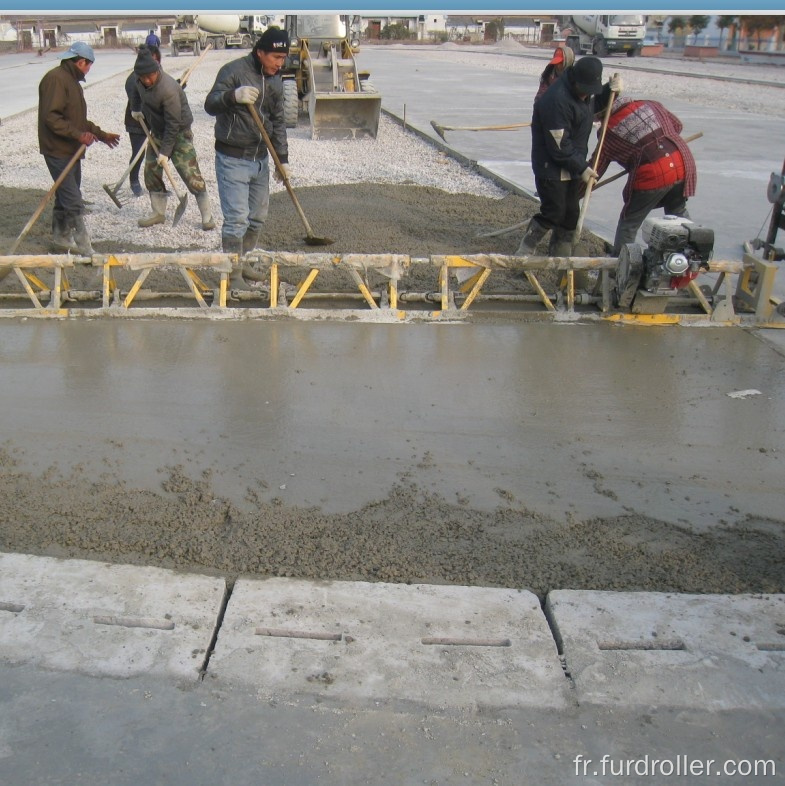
point(152, 39)
point(644, 137)
point(136, 134)
point(242, 166)
point(561, 125)
point(62, 127)
point(162, 104)
point(562, 58)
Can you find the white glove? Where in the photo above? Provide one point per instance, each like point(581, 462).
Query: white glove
point(137, 116)
point(246, 95)
point(616, 83)
point(162, 160)
point(277, 174)
point(588, 175)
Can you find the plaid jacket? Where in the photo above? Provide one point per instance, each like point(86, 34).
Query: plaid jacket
point(644, 137)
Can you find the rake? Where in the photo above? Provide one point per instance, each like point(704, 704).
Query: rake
point(113, 190)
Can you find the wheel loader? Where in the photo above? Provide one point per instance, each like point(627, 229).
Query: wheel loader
point(321, 74)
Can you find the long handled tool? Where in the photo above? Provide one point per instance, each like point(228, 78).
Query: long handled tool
point(603, 130)
point(113, 190)
point(183, 199)
point(440, 129)
point(4, 271)
point(521, 224)
point(310, 239)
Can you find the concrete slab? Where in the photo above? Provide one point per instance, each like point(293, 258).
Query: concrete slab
point(107, 620)
point(441, 646)
point(715, 652)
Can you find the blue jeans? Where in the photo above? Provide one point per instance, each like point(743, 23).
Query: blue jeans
point(244, 191)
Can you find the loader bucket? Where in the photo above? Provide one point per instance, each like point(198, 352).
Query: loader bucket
point(344, 115)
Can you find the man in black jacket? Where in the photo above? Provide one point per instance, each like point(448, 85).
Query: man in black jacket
point(242, 166)
point(561, 125)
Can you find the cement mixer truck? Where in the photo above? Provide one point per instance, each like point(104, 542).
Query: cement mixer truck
point(602, 35)
point(193, 33)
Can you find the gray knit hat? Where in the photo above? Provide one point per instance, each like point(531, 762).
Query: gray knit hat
point(145, 62)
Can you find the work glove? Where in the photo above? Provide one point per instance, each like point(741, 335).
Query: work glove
point(112, 140)
point(616, 84)
point(162, 160)
point(246, 94)
point(277, 174)
point(138, 116)
point(588, 175)
point(86, 138)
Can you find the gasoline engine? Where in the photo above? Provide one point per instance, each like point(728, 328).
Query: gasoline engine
point(676, 251)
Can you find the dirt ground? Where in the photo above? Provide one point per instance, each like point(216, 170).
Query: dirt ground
point(406, 536)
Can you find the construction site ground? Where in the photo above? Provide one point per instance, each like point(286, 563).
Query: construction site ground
point(303, 552)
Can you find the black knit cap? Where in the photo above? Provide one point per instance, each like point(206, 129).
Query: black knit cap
point(273, 40)
point(586, 75)
point(145, 62)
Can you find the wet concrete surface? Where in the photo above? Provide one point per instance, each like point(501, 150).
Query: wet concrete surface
point(568, 419)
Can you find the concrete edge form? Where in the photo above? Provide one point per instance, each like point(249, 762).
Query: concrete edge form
point(105, 620)
point(441, 646)
point(713, 652)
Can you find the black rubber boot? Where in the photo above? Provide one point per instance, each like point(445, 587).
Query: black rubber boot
point(535, 232)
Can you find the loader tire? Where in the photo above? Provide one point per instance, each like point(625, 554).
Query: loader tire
point(291, 103)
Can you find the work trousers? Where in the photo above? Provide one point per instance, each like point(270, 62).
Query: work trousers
point(560, 203)
point(244, 191)
point(137, 140)
point(183, 159)
point(68, 197)
point(670, 198)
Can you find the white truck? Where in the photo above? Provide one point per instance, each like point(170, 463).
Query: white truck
point(604, 34)
point(192, 33)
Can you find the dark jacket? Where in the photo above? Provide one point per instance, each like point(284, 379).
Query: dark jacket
point(166, 110)
point(62, 111)
point(561, 125)
point(131, 87)
point(236, 133)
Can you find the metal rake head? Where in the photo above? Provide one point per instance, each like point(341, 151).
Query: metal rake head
point(113, 195)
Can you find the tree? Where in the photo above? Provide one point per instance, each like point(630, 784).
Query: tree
point(495, 29)
point(758, 23)
point(395, 32)
point(676, 24)
point(697, 24)
point(724, 22)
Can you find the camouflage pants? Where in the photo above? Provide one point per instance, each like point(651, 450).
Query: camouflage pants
point(183, 160)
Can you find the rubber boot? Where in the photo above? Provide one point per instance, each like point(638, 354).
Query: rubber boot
point(561, 243)
point(535, 232)
point(203, 203)
point(62, 234)
point(234, 245)
point(250, 239)
point(136, 188)
point(158, 216)
point(82, 237)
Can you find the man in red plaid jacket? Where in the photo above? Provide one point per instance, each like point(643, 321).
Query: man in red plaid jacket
point(644, 137)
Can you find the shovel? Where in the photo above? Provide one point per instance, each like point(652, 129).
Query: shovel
point(595, 159)
point(310, 238)
point(183, 200)
point(439, 129)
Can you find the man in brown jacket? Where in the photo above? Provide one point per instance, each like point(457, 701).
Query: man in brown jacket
point(62, 127)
